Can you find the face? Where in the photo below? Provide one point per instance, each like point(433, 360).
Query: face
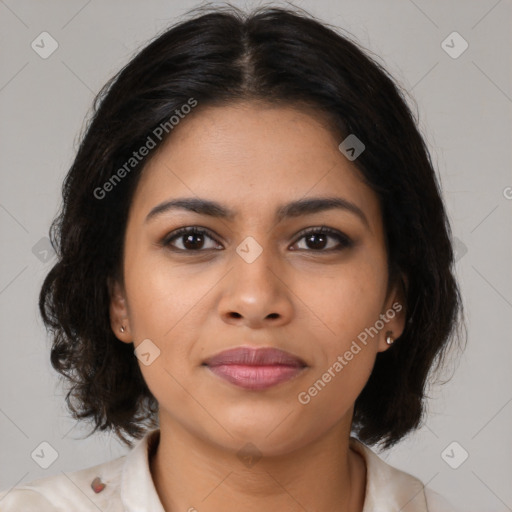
point(253, 278)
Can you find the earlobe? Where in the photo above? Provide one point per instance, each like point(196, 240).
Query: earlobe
point(119, 319)
point(386, 340)
point(395, 313)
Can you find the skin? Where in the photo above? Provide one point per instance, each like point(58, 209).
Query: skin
point(311, 302)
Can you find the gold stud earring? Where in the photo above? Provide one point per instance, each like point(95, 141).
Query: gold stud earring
point(389, 339)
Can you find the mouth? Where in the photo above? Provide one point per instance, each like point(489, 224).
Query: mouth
point(255, 368)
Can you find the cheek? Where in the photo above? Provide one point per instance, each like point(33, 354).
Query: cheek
point(167, 306)
point(161, 296)
point(334, 389)
point(349, 303)
point(347, 356)
point(346, 300)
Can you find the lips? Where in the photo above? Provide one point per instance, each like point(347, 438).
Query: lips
point(255, 369)
point(254, 357)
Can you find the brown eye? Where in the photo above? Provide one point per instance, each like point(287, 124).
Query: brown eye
point(194, 239)
point(317, 239)
point(191, 239)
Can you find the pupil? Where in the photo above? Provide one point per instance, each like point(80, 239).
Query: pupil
point(320, 236)
point(189, 239)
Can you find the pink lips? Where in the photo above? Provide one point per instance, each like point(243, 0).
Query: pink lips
point(255, 369)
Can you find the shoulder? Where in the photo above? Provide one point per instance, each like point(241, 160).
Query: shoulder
point(387, 485)
point(69, 491)
point(438, 503)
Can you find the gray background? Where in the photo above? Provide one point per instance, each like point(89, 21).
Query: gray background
point(464, 106)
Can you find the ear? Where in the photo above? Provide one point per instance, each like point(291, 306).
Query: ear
point(394, 313)
point(119, 317)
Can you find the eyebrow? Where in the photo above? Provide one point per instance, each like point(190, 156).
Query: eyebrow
point(294, 209)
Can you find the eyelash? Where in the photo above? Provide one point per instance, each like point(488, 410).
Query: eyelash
point(344, 241)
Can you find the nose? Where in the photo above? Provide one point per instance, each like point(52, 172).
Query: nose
point(255, 294)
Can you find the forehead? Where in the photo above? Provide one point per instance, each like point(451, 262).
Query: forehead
point(264, 132)
point(251, 157)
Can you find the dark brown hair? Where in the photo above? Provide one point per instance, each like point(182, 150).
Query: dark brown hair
point(217, 57)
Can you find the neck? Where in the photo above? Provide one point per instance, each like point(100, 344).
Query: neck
point(191, 474)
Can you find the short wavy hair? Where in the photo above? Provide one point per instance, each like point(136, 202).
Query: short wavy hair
point(218, 56)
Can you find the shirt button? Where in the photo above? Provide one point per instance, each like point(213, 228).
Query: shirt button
point(97, 485)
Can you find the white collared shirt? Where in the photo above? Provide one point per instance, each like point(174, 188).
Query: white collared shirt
point(125, 485)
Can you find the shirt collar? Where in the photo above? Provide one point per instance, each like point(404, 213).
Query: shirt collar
point(387, 488)
point(138, 492)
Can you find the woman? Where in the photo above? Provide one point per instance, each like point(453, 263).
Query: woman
point(254, 278)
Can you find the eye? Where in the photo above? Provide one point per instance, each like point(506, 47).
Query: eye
point(317, 239)
point(191, 239)
point(194, 239)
